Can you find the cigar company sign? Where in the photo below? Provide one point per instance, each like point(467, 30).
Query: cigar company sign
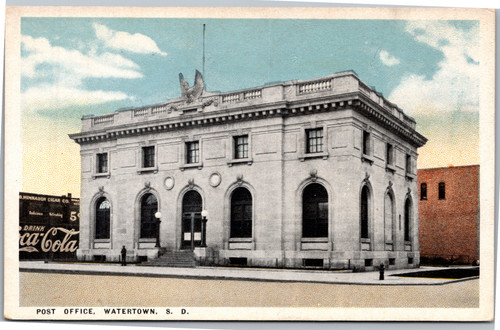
point(48, 226)
point(40, 239)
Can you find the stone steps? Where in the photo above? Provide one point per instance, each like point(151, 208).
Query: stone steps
point(182, 258)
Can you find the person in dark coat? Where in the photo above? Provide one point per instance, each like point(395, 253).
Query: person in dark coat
point(124, 256)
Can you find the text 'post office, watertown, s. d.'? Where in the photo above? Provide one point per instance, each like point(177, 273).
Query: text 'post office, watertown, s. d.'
point(318, 173)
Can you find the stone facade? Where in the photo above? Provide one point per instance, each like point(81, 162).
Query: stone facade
point(333, 133)
point(449, 223)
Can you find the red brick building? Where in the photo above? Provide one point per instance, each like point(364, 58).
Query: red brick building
point(449, 213)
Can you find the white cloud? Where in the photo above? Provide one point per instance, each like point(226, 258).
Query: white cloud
point(58, 75)
point(455, 85)
point(119, 40)
point(388, 59)
point(54, 97)
point(70, 62)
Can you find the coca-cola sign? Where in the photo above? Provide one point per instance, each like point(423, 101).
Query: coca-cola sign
point(55, 239)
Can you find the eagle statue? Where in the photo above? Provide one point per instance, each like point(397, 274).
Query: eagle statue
point(192, 93)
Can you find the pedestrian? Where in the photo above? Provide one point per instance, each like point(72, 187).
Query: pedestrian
point(381, 269)
point(124, 256)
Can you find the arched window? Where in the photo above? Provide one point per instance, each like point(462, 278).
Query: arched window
point(315, 211)
point(149, 206)
point(241, 213)
point(365, 213)
point(423, 191)
point(191, 206)
point(408, 215)
point(102, 218)
point(388, 218)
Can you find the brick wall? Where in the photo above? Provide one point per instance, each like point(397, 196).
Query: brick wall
point(449, 226)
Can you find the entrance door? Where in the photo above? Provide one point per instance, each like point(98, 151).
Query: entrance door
point(191, 219)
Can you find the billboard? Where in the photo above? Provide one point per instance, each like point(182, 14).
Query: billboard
point(48, 227)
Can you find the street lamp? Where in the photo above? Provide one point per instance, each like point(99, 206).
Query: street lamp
point(204, 219)
point(158, 221)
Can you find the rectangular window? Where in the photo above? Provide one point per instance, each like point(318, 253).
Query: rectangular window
point(423, 191)
point(442, 190)
point(366, 143)
point(314, 141)
point(389, 154)
point(192, 152)
point(238, 261)
point(312, 262)
point(241, 147)
point(408, 164)
point(148, 156)
point(102, 163)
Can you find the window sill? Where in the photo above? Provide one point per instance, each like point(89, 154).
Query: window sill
point(367, 158)
point(147, 240)
point(314, 240)
point(247, 161)
point(240, 240)
point(410, 177)
point(106, 175)
point(189, 166)
point(323, 155)
point(365, 240)
point(390, 168)
point(102, 240)
point(147, 170)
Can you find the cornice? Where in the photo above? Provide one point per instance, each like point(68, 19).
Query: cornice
point(353, 100)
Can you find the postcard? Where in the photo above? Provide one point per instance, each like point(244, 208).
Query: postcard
point(183, 163)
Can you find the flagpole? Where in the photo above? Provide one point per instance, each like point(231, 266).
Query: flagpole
point(203, 70)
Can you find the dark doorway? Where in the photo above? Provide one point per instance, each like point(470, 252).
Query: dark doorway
point(191, 218)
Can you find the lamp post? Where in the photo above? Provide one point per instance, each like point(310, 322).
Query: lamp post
point(204, 219)
point(158, 221)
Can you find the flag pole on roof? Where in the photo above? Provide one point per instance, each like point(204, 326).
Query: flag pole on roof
point(203, 69)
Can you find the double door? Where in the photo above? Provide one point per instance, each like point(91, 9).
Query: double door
point(191, 235)
point(191, 230)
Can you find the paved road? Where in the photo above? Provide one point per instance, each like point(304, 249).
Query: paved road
point(59, 289)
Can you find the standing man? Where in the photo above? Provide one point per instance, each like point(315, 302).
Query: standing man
point(124, 256)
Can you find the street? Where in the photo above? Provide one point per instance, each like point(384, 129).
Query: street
point(112, 290)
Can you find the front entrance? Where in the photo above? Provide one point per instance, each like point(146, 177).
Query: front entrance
point(191, 236)
point(191, 239)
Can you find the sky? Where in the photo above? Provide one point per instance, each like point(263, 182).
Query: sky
point(71, 67)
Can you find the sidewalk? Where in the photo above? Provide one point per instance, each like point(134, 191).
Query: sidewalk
point(233, 273)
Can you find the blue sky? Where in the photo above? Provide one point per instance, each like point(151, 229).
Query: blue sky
point(78, 66)
point(239, 53)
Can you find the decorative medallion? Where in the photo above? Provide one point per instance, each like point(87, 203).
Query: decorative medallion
point(191, 183)
point(169, 182)
point(101, 190)
point(215, 179)
point(147, 185)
